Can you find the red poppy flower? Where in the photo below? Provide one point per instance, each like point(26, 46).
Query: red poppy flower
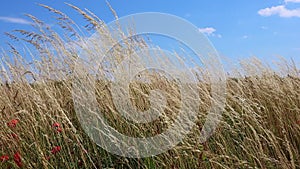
point(17, 159)
point(13, 123)
point(4, 158)
point(59, 129)
point(55, 125)
point(298, 122)
point(55, 149)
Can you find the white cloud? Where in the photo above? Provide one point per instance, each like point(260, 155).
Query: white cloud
point(14, 20)
point(208, 30)
point(292, 1)
point(280, 10)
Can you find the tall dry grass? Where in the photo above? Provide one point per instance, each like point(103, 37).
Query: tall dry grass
point(260, 127)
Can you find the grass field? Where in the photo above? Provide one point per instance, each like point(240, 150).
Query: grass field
point(260, 127)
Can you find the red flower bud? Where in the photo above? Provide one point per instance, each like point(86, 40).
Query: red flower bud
point(13, 123)
point(17, 159)
point(55, 149)
point(4, 158)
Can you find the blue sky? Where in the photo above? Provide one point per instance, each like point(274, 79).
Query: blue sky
point(238, 29)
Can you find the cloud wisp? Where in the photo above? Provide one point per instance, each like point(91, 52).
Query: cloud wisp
point(209, 31)
point(14, 20)
point(280, 10)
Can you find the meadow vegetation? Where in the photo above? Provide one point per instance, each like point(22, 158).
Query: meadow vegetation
point(39, 128)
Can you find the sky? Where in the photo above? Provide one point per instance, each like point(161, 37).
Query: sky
point(237, 28)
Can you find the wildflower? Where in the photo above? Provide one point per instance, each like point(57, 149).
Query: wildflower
point(4, 158)
point(17, 159)
point(59, 129)
point(298, 122)
point(55, 149)
point(13, 123)
point(55, 125)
